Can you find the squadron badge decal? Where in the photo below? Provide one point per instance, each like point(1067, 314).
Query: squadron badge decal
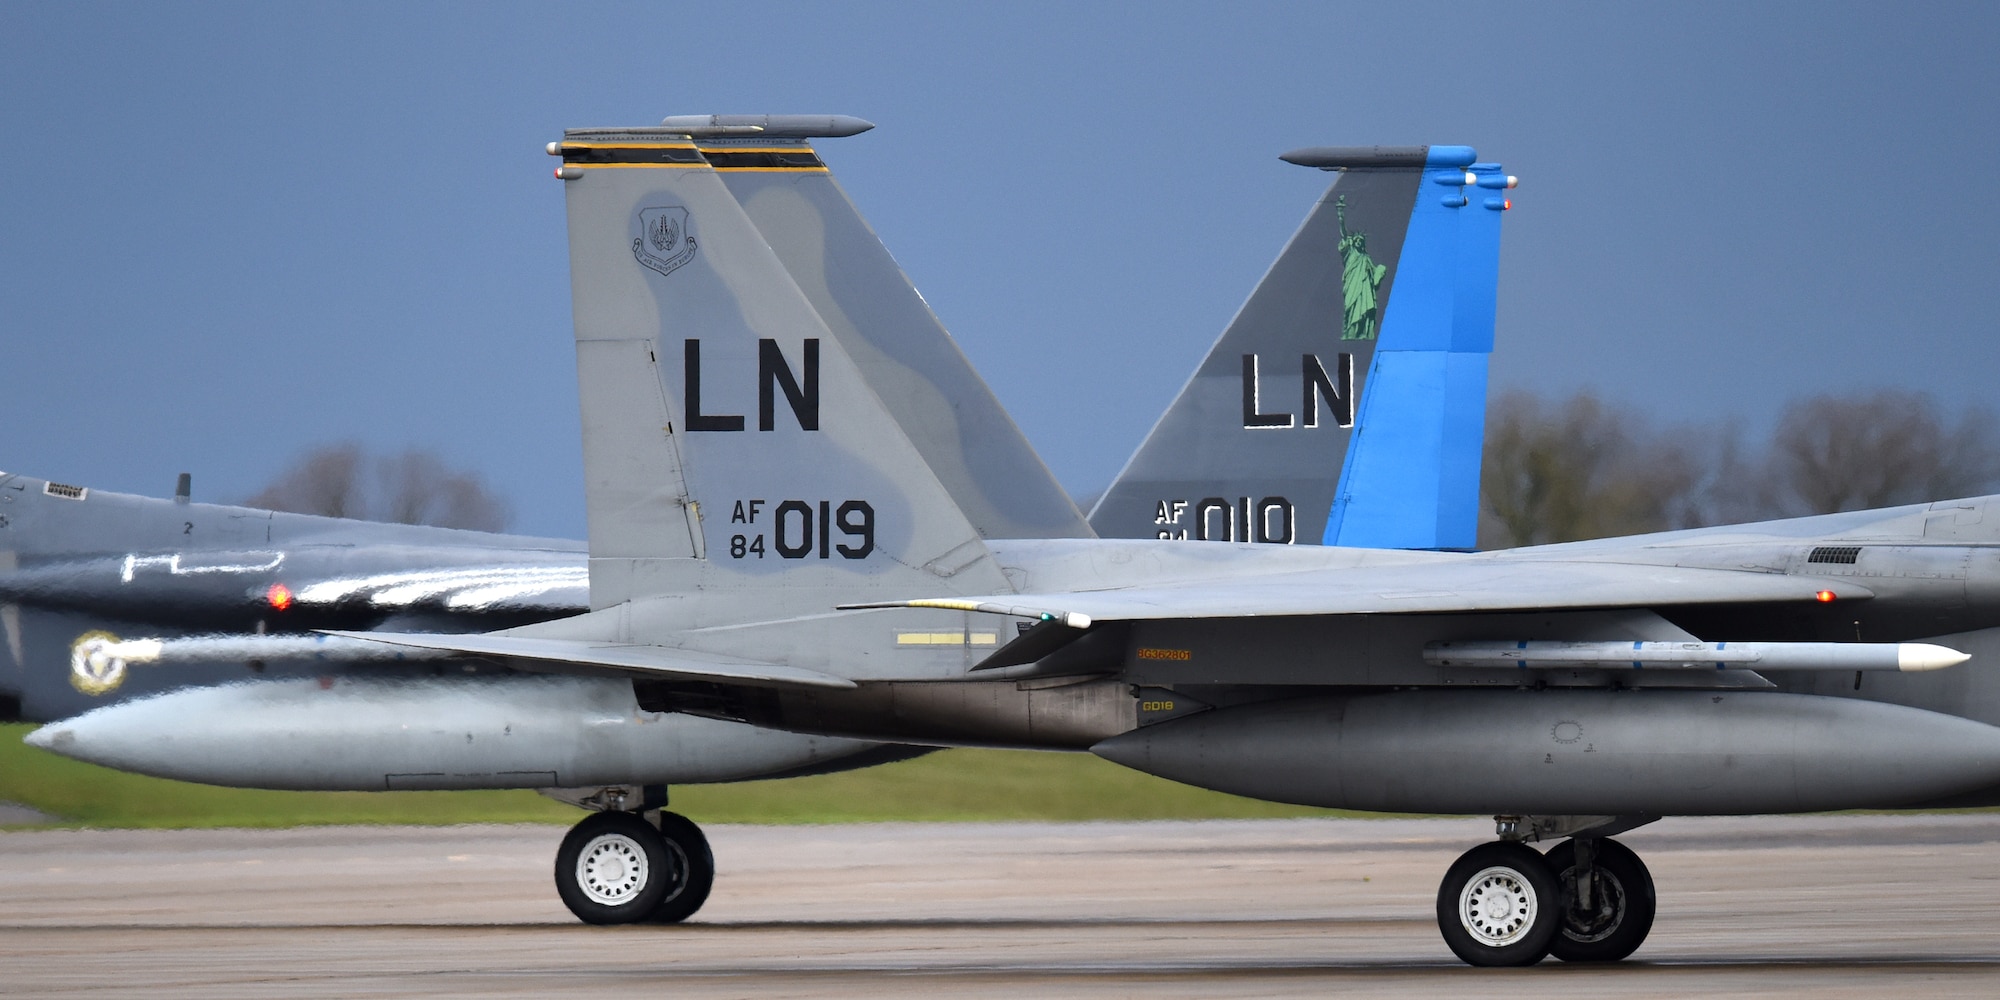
point(664, 242)
point(93, 670)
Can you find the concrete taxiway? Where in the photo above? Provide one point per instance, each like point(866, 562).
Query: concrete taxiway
point(1834, 906)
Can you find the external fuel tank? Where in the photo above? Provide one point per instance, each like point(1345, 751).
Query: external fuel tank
point(348, 733)
point(1578, 752)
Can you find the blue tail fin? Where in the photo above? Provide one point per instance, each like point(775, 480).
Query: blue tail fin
point(1384, 301)
point(1412, 480)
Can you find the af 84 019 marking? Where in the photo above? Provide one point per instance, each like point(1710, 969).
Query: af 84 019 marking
point(804, 529)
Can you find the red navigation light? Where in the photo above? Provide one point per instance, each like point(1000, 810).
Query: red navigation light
point(1824, 597)
point(280, 596)
point(1505, 205)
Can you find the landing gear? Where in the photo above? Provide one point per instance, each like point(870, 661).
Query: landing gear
point(1590, 899)
point(689, 850)
point(1607, 900)
point(618, 868)
point(1499, 905)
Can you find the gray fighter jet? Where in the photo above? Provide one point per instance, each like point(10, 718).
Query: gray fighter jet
point(769, 546)
point(136, 596)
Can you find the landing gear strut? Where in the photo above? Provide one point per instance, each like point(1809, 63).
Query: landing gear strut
point(622, 868)
point(1590, 899)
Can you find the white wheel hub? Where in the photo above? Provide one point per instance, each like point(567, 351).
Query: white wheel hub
point(1497, 906)
point(611, 869)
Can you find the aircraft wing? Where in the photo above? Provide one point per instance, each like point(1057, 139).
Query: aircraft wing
point(1471, 586)
point(652, 661)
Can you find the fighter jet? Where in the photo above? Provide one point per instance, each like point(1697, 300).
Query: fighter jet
point(81, 568)
point(768, 546)
point(560, 703)
point(137, 596)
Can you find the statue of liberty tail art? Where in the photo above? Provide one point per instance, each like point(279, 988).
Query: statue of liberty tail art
point(1360, 278)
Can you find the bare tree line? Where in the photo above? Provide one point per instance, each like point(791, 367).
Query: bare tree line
point(1552, 472)
point(1579, 468)
point(413, 487)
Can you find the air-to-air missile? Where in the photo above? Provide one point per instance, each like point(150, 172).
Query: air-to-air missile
point(1524, 655)
point(767, 126)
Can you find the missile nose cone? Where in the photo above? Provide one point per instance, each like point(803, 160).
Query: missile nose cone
point(845, 125)
point(1926, 656)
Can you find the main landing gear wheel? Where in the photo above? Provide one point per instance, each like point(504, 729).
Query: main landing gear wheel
point(688, 854)
point(1620, 909)
point(616, 868)
point(1499, 905)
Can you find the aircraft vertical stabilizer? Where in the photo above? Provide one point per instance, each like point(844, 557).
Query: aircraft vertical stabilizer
point(1412, 480)
point(1373, 325)
point(730, 440)
point(914, 366)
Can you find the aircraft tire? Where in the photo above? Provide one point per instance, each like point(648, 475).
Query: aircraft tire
point(1499, 905)
point(1625, 904)
point(692, 861)
point(613, 868)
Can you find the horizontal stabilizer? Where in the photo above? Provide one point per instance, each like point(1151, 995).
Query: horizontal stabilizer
point(1037, 642)
point(1449, 586)
point(652, 661)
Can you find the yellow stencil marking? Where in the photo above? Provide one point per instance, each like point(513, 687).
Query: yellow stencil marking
point(947, 638)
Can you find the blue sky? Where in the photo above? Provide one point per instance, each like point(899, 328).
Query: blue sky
point(233, 231)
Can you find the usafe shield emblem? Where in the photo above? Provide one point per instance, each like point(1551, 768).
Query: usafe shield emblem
point(665, 241)
point(93, 669)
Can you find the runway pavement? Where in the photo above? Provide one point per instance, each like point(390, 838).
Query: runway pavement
point(1841, 906)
